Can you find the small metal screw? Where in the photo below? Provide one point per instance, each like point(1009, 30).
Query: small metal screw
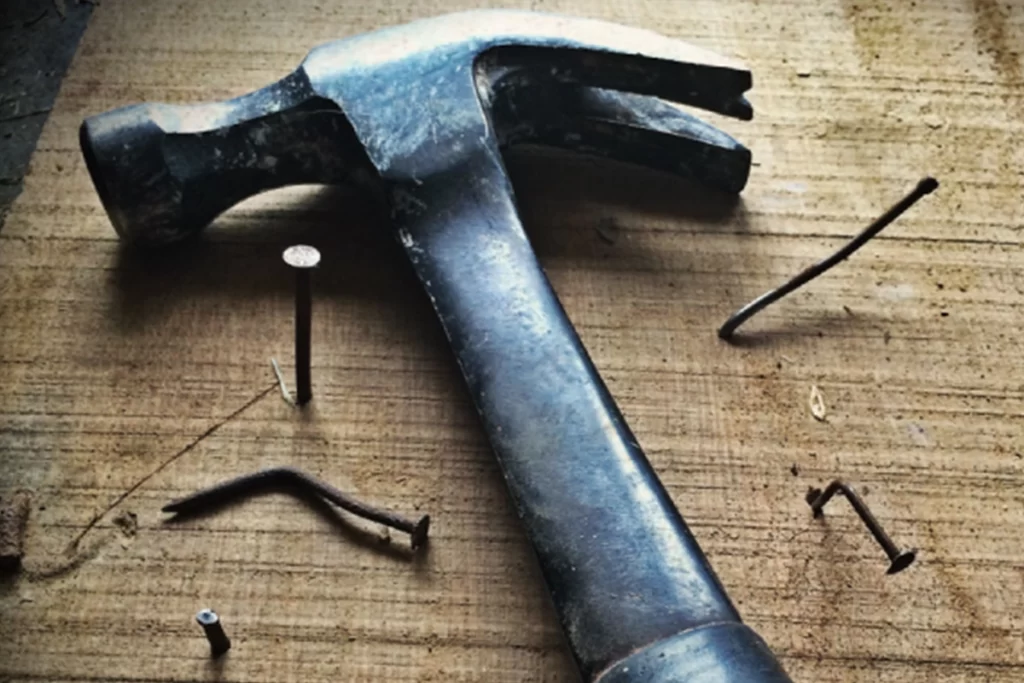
point(898, 559)
point(303, 259)
point(219, 641)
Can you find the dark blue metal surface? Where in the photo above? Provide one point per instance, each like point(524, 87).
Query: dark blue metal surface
point(712, 653)
point(420, 113)
point(622, 567)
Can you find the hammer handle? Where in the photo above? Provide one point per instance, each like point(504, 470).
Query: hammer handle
point(634, 593)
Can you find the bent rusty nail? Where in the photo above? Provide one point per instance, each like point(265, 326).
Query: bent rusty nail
point(290, 477)
point(899, 559)
point(725, 332)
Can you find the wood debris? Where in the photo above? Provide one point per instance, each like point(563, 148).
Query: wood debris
point(285, 394)
point(817, 404)
point(127, 523)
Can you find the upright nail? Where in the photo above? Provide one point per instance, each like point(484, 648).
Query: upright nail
point(303, 259)
point(219, 641)
point(899, 559)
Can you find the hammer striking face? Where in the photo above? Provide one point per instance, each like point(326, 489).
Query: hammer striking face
point(420, 114)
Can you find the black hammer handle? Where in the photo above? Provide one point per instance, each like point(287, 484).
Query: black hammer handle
point(635, 594)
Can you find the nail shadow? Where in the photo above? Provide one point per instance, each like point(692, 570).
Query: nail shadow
point(326, 511)
point(239, 257)
point(580, 192)
point(826, 324)
point(399, 548)
point(215, 666)
point(581, 179)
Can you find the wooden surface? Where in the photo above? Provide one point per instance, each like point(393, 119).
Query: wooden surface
point(114, 366)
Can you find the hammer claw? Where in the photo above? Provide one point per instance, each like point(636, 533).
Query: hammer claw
point(636, 129)
point(714, 88)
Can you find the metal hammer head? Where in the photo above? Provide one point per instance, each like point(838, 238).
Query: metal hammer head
point(407, 104)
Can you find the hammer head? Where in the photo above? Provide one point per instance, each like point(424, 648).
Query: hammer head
point(393, 109)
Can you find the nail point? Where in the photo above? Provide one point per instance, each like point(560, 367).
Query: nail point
point(419, 534)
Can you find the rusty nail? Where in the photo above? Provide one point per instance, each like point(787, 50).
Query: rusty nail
point(898, 559)
point(926, 186)
point(219, 641)
point(290, 478)
point(303, 259)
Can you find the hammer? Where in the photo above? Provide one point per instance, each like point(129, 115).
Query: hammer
point(420, 114)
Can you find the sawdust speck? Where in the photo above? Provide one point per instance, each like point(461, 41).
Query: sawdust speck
point(817, 404)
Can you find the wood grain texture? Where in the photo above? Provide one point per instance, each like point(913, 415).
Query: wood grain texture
point(113, 364)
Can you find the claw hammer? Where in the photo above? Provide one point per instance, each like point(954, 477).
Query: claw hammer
point(421, 113)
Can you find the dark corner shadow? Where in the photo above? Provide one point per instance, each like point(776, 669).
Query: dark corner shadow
point(398, 547)
point(824, 325)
